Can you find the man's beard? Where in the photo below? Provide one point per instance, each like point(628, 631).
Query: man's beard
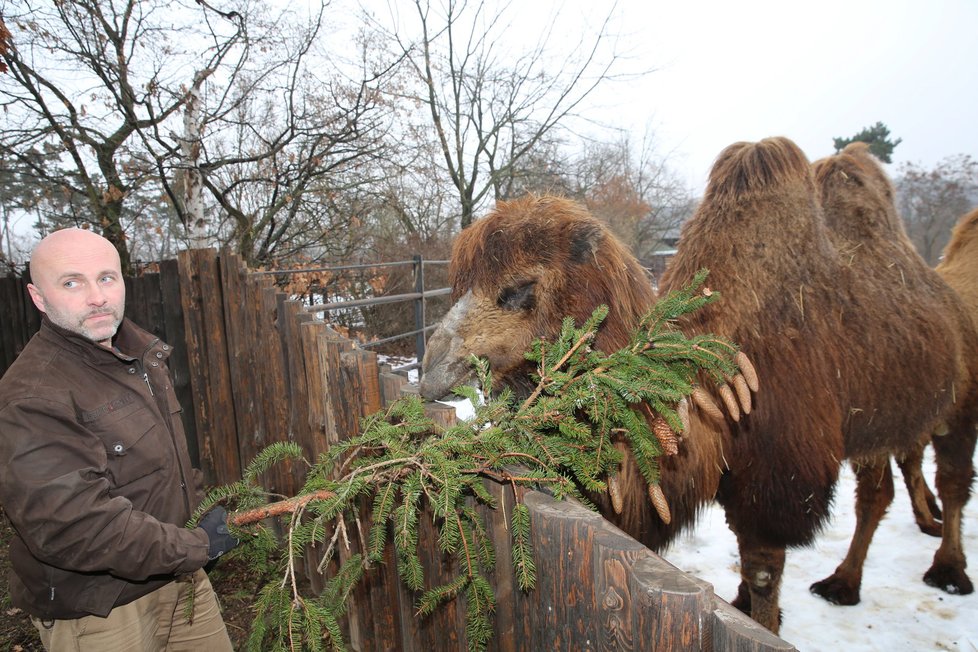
point(104, 331)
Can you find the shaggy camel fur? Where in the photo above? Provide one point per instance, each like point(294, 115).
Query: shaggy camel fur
point(816, 332)
point(959, 269)
point(858, 202)
point(959, 263)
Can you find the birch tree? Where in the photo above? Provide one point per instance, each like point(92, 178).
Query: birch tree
point(93, 82)
point(231, 115)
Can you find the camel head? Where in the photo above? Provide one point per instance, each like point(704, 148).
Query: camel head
point(515, 274)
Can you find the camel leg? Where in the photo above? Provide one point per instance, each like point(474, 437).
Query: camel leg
point(761, 568)
point(925, 508)
point(874, 493)
point(955, 473)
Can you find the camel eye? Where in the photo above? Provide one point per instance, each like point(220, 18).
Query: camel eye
point(518, 297)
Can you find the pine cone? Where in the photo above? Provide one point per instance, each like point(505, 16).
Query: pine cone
point(659, 502)
point(682, 409)
point(743, 393)
point(614, 490)
point(728, 400)
point(747, 369)
point(667, 438)
point(707, 404)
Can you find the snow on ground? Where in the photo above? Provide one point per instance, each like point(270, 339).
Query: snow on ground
point(898, 611)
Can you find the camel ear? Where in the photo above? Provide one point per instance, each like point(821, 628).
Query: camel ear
point(585, 240)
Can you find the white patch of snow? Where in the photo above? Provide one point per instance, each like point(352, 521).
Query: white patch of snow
point(898, 612)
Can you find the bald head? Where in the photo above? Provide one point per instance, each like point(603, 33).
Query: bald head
point(77, 281)
point(63, 246)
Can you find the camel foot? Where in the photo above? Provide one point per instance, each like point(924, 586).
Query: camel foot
point(949, 579)
point(836, 590)
point(742, 603)
point(930, 528)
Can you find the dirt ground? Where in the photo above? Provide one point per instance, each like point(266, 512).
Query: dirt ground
point(232, 580)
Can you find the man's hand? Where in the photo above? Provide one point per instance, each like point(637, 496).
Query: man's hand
point(215, 524)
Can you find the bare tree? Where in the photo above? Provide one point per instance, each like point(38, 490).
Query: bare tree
point(285, 143)
point(634, 191)
point(91, 81)
point(931, 201)
point(231, 116)
point(488, 106)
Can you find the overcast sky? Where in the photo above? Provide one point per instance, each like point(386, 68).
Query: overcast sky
point(812, 71)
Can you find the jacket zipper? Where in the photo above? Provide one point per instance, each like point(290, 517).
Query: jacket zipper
point(185, 482)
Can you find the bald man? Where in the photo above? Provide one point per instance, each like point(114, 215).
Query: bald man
point(94, 471)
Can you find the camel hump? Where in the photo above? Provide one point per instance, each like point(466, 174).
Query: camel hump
point(855, 167)
point(744, 168)
point(964, 232)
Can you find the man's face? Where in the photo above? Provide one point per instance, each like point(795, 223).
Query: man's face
point(78, 283)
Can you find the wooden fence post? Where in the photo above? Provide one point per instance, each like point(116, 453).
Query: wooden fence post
point(203, 314)
point(16, 331)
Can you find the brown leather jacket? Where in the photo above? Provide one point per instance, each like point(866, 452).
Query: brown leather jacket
point(94, 473)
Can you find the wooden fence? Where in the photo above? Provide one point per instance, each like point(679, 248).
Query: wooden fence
point(260, 369)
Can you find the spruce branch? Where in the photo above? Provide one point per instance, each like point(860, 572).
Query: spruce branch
point(563, 436)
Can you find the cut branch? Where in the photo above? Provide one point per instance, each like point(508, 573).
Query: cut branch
point(291, 505)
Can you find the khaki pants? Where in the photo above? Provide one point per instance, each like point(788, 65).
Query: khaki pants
point(154, 622)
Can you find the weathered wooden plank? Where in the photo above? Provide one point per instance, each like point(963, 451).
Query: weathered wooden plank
point(360, 375)
point(732, 630)
point(242, 303)
point(134, 301)
point(144, 303)
point(390, 386)
point(375, 621)
point(444, 630)
point(273, 374)
point(13, 336)
point(207, 357)
point(616, 598)
point(338, 405)
point(316, 386)
point(508, 595)
point(251, 337)
point(176, 336)
point(561, 608)
point(290, 317)
point(674, 607)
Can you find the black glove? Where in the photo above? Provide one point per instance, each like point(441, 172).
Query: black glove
point(215, 524)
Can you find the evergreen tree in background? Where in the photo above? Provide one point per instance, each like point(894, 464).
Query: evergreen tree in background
point(878, 139)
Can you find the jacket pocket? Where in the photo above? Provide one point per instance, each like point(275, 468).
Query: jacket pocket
point(133, 446)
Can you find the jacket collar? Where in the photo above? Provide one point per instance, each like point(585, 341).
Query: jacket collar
point(130, 342)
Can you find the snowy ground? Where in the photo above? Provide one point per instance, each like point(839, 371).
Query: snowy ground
point(898, 612)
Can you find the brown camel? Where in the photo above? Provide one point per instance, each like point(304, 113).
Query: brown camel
point(858, 202)
point(959, 269)
point(787, 298)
